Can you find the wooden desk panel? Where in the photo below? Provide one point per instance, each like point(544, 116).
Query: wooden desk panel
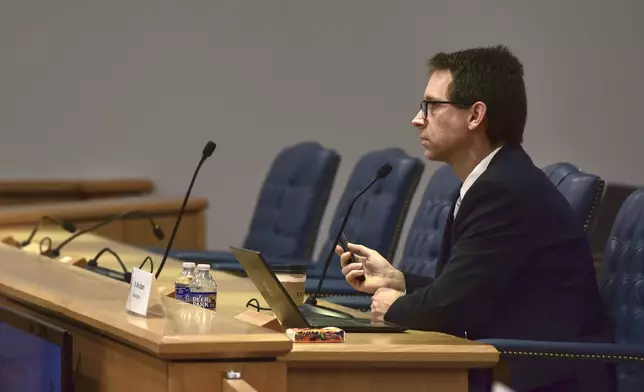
point(341, 379)
point(107, 365)
point(413, 360)
point(164, 210)
point(14, 192)
point(235, 291)
point(186, 331)
point(97, 209)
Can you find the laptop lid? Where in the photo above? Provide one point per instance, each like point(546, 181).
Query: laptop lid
point(270, 288)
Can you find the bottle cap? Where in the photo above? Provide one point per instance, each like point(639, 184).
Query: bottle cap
point(203, 267)
point(188, 264)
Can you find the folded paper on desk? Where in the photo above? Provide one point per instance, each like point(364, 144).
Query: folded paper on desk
point(261, 319)
point(316, 335)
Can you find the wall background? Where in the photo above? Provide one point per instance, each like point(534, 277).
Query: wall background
point(135, 88)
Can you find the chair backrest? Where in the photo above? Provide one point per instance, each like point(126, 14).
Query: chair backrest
point(622, 285)
point(426, 231)
point(378, 216)
point(292, 201)
point(582, 190)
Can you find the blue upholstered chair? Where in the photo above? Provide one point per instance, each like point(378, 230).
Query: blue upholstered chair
point(377, 218)
point(290, 206)
point(426, 232)
point(622, 289)
point(583, 191)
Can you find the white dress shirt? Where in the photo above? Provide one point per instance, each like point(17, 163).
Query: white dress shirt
point(474, 175)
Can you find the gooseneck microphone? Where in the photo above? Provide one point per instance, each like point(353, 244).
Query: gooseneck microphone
point(156, 229)
point(68, 226)
point(145, 261)
point(383, 172)
point(208, 149)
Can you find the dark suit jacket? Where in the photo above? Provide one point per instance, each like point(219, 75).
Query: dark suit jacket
point(514, 263)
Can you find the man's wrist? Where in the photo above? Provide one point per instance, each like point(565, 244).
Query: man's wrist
point(397, 281)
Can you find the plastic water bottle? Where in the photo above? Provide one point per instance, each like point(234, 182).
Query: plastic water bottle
point(183, 282)
point(203, 290)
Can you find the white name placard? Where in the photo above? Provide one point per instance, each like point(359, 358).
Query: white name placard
point(143, 294)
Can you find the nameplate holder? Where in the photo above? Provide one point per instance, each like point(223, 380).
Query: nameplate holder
point(144, 298)
point(261, 319)
point(11, 242)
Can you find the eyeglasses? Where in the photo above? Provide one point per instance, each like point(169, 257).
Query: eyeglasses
point(424, 105)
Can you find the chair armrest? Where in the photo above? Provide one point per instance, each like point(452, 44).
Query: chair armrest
point(606, 352)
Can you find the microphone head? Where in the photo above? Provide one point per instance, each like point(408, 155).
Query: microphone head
point(384, 170)
point(209, 149)
point(69, 226)
point(158, 232)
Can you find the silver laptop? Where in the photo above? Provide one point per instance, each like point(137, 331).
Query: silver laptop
point(287, 312)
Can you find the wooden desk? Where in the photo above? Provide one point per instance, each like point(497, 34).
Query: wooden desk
point(40, 191)
point(20, 220)
point(410, 361)
point(123, 352)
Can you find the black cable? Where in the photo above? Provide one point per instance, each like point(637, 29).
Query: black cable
point(43, 240)
point(151, 264)
point(158, 232)
point(94, 261)
point(68, 226)
point(256, 305)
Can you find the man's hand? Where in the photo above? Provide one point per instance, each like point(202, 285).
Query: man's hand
point(381, 302)
point(375, 269)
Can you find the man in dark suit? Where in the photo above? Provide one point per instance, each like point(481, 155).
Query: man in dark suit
point(514, 261)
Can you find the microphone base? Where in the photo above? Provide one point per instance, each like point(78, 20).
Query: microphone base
point(314, 309)
point(117, 275)
point(51, 253)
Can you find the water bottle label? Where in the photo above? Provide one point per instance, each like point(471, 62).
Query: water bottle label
point(182, 294)
point(205, 300)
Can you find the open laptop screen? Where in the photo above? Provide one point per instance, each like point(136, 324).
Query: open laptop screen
point(270, 288)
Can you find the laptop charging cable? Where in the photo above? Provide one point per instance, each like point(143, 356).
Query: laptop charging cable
point(254, 303)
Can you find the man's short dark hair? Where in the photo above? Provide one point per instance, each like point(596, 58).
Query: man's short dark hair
point(494, 76)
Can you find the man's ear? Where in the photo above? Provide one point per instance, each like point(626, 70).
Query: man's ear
point(477, 115)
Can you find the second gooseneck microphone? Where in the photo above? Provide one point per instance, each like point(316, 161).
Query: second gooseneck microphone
point(383, 172)
point(208, 149)
point(68, 226)
point(156, 229)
